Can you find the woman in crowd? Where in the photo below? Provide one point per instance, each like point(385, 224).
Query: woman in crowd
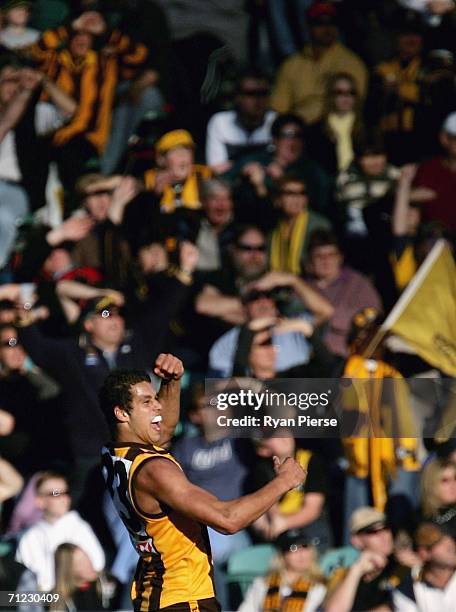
point(77, 583)
point(295, 582)
point(438, 494)
point(330, 140)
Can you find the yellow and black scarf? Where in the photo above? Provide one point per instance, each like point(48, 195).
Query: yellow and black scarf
point(294, 602)
point(286, 248)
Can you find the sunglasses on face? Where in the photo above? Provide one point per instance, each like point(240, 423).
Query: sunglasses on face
point(290, 134)
point(55, 493)
point(10, 343)
point(250, 248)
point(344, 92)
point(289, 192)
point(254, 93)
point(372, 530)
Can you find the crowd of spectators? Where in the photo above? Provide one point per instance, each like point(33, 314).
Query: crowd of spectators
point(249, 185)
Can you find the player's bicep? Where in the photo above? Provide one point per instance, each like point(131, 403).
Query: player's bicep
point(164, 481)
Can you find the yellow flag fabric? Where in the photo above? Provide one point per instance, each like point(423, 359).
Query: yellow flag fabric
point(425, 315)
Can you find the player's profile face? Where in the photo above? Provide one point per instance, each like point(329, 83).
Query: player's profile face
point(145, 413)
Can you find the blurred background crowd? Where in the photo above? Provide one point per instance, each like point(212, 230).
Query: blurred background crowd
point(249, 185)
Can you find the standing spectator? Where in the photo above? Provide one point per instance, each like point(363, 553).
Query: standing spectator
point(23, 124)
point(368, 583)
point(396, 95)
point(230, 134)
point(16, 34)
point(289, 240)
point(38, 544)
point(348, 291)
point(360, 189)
point(330, 141)
point(438, 175)
point(301, 81)
point(295, 581)
point(177, 181)
point(433, 586)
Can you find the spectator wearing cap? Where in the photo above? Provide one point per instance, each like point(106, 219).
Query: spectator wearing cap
point(295, 581)
point(234, 133)
point(330, 141)
point(431, 586)
point(368, 583)
point(301, 81)
point(438, 494)
point(253, 175)
point(348, 291)
point(177, 180)
point(16, 34)
point(438, 176)
point(289, 240)
point(361, 189)
point(382, 458)
point(396, 94)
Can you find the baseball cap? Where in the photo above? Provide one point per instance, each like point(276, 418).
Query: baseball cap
point(100, 305)
point(172, 140)
point(290, 540)
point(366, 519)
point(322, 12)
point(428, 534)
point(449, 125)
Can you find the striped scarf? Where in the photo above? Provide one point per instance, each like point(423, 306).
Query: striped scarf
point(294, 602)
point(286, 249)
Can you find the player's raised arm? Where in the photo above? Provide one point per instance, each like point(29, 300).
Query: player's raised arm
point(170, 369)
point(162, 480)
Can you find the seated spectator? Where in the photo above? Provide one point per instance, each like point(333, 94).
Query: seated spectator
point(295, 582)
point(206, 459)
point(16, 34)
point(368, 583)
point(300, 83)
point(234, 133)
point(303, 508)
point(78, 584)
point(289, 154)
point(365, 183)
point(438, 176)
point(330, 140)
point(348, 291)
point(438, 494)
point(288, 335)
point(433, 585)
point(289, 240)
point(381, 452)
point(176, 181)
point(397, 93)
point(38, 544)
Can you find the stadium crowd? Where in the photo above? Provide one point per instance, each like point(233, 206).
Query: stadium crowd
point(248, 185)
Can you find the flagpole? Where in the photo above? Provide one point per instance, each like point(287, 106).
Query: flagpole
point(406, 297)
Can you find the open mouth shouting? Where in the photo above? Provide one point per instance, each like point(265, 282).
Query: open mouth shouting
point(155, 422)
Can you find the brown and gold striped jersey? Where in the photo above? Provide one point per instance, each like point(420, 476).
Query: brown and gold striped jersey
point(175, 562)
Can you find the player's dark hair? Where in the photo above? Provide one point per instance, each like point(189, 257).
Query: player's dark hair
point(116, 391)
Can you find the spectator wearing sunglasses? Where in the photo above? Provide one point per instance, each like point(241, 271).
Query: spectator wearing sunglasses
point(254, 175)
point(330, 140)
point(58, 525)
point(368, 583)
point(289, 240)
point(295, 581)
point(236, 132)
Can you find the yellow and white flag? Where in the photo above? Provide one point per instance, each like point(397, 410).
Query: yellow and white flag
point(425, 315)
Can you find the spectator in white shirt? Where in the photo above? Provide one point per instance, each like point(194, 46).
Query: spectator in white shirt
point(58, 525)
point(16, 34)
point(244, 129)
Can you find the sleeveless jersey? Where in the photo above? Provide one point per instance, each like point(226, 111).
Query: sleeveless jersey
point(175, 562)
